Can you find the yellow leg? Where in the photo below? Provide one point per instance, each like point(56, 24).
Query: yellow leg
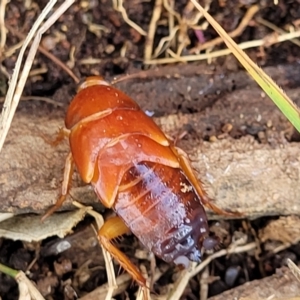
point(68, 171)
point(113, 228)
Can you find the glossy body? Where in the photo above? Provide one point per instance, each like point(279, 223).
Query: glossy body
point(137, 171)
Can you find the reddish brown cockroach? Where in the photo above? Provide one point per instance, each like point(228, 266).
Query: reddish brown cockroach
point(138, 172)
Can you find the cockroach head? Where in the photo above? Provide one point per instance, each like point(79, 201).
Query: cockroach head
point(92, 80)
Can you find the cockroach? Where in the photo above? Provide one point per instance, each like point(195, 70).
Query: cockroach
point(137, 171)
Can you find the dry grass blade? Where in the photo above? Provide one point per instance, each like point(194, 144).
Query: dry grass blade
point(294, 269)
point(152, 28)
point(10, 104)
point(275, 28)
point(123, 281)
point(42, 50)
point(111, 277)
point(27, 288)
point(5, 216)
point(2, 24)
point(143, 294)
point(246, 45)
point(9, 52)
point(164, 42)
point(118, 6)
point(44, 99)
point(168, 41)
point(37, 98)
point(178, 38)
point(15, 90)
point(236, 32)
point(186, 275)
point(177, 32)
point(283, 102)
point(181, 283)
point(203, 281)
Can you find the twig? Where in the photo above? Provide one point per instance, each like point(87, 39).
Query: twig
point(294, 269)
point(37, 98)
point(172, 14)
point(46, 53)
point(4, 71)
point(123, 281)
point(118, 6)
point(236, 32)
point(26, 287)
point(282, 101)
point(162, 46)
point(111, 277)
point(275, 28)
point(90, 61)
point(186, 275)
point(152, 28)
point(14, 92)
point(2, 24)
point(204, 284)
point(10, 51)
point(5, 216)
point(11, 102)
point(243, 46)
point(38, 71)
point(178, 35)
point(169, 5)
point(223, 252)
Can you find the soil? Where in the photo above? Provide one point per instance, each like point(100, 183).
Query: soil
point(92, 38)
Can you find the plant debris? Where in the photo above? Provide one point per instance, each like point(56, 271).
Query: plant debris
point(237, 140)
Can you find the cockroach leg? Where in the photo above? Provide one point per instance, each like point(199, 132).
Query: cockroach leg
point(180, 136)
point(60, 135)
point(135, 169)
point(209, 204)
point(186, 166)
point(177, 138)
point(68, 171)
point(111, 229)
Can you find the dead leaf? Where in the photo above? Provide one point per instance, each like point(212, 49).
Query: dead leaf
point(285, 230)
point(30, 228)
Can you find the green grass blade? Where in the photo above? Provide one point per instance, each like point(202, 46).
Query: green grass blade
point(283, 102)
point(8, 271)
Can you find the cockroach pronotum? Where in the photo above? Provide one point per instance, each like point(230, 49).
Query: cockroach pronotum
point(139, 173)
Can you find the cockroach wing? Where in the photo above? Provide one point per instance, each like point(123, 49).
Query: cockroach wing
point(119, 156)
point(88, 138)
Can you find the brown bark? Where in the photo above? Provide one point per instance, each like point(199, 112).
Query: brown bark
point(241, 175)
point(258, 179)
point(282, 285)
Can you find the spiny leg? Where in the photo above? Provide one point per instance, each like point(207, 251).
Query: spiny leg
point(111, 229)
point(185, 164)
point(177, 138)
point(68, 171)
point(60, 136)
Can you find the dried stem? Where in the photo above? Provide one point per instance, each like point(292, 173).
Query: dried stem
point(15, 90)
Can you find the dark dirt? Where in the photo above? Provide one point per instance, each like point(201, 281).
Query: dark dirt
point(195, 89)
